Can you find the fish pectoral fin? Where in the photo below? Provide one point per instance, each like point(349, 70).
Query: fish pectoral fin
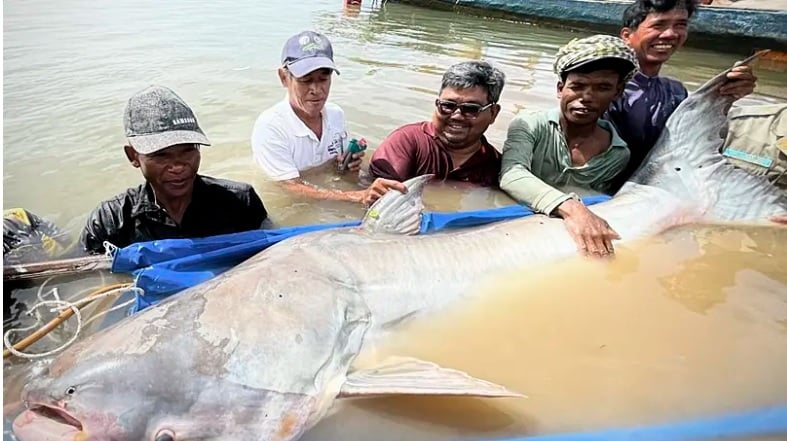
point(396, 212)
point(410, 376)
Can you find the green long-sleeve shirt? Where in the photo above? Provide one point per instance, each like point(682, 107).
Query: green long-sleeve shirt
point(536, 160)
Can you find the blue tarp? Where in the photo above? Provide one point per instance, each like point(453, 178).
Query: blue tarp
point(764, 422)
point(164, 267)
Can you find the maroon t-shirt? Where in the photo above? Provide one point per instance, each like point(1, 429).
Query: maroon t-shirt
point(414, 149)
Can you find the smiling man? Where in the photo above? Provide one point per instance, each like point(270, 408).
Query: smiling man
point(452, 145)
point(304, 130)
point(164, 142)
point(655, 29)
point(547, 153)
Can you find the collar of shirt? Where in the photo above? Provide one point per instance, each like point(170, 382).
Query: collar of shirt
point(298, 127)
point(615, 140)
point(145, 203)
point(644, 80)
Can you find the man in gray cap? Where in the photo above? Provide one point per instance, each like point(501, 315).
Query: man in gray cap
point(164, 142)
point(304, 130)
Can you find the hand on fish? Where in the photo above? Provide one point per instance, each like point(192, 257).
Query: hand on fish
point(592, 234)
point(740, 82)
point(380, 187)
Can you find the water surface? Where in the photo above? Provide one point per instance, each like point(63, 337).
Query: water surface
point(689, 324)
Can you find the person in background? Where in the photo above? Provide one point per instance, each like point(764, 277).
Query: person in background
point(30, 238)
point(757, 141)
point(164, 141)
point(656, 29)
point(571, 146)
point(452, 144)
point(304, 130)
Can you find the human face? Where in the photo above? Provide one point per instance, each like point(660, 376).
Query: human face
point(170, 171)
point(586, 96)
point(657, 38)
point(457, 129)
point(308, 93)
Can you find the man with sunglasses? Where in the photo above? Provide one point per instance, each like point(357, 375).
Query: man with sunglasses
point(304, 130)
point(547, 153)
point(164, 142)
point(452, 145)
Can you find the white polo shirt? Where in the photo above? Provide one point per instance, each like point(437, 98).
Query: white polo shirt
point(283, 145)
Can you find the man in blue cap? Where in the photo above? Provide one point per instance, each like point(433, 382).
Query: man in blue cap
point(304, 130)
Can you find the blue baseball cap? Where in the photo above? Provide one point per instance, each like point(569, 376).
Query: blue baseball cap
point(306, 52)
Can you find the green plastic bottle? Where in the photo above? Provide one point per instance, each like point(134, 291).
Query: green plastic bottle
point(353, 147)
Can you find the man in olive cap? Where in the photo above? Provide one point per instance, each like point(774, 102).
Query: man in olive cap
point(164, 142)
point(547, 153)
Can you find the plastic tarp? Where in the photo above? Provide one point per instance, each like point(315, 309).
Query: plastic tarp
point(164, 267)
point(767, 422)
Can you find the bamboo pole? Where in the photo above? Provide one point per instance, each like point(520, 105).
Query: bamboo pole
point(63, 316)
point(55, 267)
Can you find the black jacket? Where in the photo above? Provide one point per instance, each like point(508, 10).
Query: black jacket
point(218, 206)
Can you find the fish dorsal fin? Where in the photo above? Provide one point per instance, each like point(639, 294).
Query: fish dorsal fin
point(694, 131)
point(396, 212)
point(410, 376)
point(719, 80)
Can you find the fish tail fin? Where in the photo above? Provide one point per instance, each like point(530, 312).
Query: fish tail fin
point(396, 212)
point(687, 161)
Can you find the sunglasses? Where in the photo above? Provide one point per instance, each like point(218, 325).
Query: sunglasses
point(467, 109)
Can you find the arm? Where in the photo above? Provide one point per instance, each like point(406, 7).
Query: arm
point(516, 179)
point(105, 223)
point(366, 197)
point(592, 234)
point(303, 188)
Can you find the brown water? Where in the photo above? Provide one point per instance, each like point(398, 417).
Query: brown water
point(673, 328)
point(689, 324)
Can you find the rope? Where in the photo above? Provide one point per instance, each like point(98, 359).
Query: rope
point(67, 309)
point(109, 250)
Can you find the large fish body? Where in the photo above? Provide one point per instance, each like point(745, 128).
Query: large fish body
point(262, 351)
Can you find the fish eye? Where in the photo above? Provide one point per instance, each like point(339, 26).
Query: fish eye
point(71, 390)
point(165, 435)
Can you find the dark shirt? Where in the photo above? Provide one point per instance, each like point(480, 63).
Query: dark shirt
point(641, 113)
point(218, 206)
point(414, 149)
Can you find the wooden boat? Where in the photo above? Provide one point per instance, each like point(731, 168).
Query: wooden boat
point(745, 23)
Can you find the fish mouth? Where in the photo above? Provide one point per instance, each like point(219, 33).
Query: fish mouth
point(45, 422)
point(56, 414)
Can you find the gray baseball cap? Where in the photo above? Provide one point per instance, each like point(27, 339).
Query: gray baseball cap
point(306, 52)
point(157, 118)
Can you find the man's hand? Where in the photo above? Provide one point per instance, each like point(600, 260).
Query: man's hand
point(380, 187)
point(740, 82)
point(355, 162)
point(592, 234)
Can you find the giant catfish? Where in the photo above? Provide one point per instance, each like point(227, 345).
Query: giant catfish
point(264, 350)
